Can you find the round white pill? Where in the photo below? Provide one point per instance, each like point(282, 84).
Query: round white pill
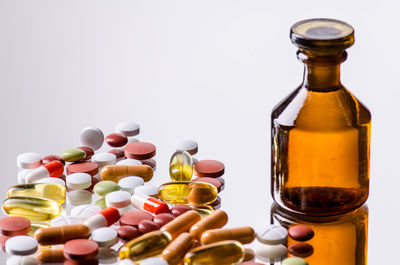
point(189, 146)
point(65, 220)
point(79, 181)
point(118, 199)
point(271, 253)
point(22, 175)
point(22, 260)
point(129, 162)
point(154, 261)
point(29, 160)
point(147, 189)
point(21, 245)
point(105, 236)
point(85, 211)
point(92, 137)
point(129, 184)
point(51, 180)
point(104, 159)
point(273, 235)
point(126, 262)
point(107, 255)
point(79, 197)
point(128, 128)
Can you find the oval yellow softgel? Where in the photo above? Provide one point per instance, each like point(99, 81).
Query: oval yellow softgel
point(35, 209)
point(181, 166)
point(187, 192)
point(51, 191)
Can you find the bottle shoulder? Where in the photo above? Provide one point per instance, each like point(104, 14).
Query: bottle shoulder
point(336, 109)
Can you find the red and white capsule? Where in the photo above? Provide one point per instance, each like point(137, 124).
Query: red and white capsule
point(53, 169)
point(150, 204)
point(104, 218)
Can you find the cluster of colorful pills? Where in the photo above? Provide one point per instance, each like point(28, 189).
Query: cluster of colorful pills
point(104, 209)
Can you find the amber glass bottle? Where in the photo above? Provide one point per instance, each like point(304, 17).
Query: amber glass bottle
point(338, 239)
point(320, 132)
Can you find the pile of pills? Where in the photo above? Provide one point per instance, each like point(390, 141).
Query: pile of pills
point(88, 207)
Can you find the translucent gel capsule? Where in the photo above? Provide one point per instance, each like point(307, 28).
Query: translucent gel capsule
point(51, 191)
point(145, 246)
point(181, 166)
point(35, 209)
point(186, 192)
point(221, 253)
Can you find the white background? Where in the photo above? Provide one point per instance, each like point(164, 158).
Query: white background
point(207, 70)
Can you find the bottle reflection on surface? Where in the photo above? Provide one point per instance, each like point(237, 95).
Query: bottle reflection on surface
point(340, 239)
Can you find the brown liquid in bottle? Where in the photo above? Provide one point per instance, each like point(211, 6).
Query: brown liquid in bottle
point(321, 133)
point(340, 239)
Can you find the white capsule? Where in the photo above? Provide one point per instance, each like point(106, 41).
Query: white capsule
point(128, 128)
point(21, 245)
point(104, 159)
point(22, 175)
point(96, 221)
point(29, 160)
point(118, 199)
point(129, 162)
point(37, 174)
point(105, 236)
point(85, 211)
point(147, 189)
point(79, 181)
point(271, 253)
point(79, 197)
point(92, 137)
point(129, 184)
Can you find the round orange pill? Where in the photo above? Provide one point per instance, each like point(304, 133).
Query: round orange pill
point(209, 168)
point(140, 150)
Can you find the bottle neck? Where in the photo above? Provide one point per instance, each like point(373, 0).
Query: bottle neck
point(321, 72)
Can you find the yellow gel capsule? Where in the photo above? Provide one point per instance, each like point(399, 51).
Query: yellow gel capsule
point(35, 209)
point(222, 253)
point(204, 210)
point(145, 246)
point(186, 192)
point(51, 191)
point(181, 166)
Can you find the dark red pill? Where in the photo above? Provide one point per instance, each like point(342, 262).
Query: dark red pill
point(89, 151)
point(81, 262)
point(140, 150)
point(90, 168)
point(119, 153)
point(209, 168)
point(127, 232)
point(146, 226)
point(163, 218)
point(14, 226)
point(179, 209)
point(150, 162)
point(133, 218)
point(116, 140)
point(216, 204)
point(302, 250)
point(81, 249)
point(301, 232)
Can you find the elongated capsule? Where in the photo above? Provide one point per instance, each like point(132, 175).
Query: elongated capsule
point(244, 235)
point(182, 223)
point(150, 204)
point(104, 218)
point(217, 219)
point(35, 209)
point(186, 192)
point(117, 172)
point(51, 191)
point(145, 246)
point(53, 169)
point(181, 166)
point(61, 234)
point(221, 253)
point(50, 255)
point(175, 251)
